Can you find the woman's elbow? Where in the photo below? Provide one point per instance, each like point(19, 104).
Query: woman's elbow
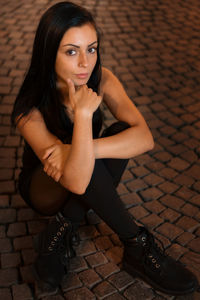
point(150, 142)
point(76, 188)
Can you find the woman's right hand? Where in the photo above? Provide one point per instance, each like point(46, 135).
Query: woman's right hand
point(83, 99)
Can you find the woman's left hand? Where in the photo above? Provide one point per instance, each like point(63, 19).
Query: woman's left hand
point(54, 160)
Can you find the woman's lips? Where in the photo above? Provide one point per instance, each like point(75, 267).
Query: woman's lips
point(82, 75)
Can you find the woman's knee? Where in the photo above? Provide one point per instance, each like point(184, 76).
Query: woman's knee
point(115, 128)
point(46, 195)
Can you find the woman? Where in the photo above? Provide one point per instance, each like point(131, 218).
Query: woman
point(68, 167)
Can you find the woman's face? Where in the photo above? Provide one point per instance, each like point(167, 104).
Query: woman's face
point(76, 56)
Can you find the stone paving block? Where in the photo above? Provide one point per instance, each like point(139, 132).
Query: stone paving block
point(114, 254)
point(176, 251)
point(172, 202)
point(21, 292)
point(151, 194)
point(184, 180)
point(5, 245)
point(185, 193)
point(7, 187)
point(25, 214)
point(36, 226)
point(187, 223)
point(89, 278)
point(70, 281)
point(28, 256)
point(104, 289)
point(169, 230)
point(78, 264)
point(17, 201)
point(121, 280)
point(121, 189)
point(194, 172)
point(86, 247)
point(54, 297)
point(168, 187)
point(195, 245)
point(8, 277)
point(138, 212)
point(190, 210)
point(152, 221)
point(9, 260)
point(170, 215)
point(5, 294)
point(153, 179)
point(154, 206)
point(105, 229)
point(2, 231)
point(81, 293)
point(4, 201)
point(131, 199)
point(22, 242)
point(116, 240)
point(140, 171)
point(16, 229)
point(138, 291)
point(115, 296)
point(103, 242)
point(26, 273)
point(6, 174)
point(7, 215)
point(96, 259)
point(107, 269)
point(12, 141)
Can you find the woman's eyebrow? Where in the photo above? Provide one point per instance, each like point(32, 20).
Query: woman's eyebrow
point(72, 45)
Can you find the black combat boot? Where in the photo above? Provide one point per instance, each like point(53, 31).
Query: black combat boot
point(54, 249)
point(144, 259)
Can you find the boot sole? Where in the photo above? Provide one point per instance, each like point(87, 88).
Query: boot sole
point(135, 273)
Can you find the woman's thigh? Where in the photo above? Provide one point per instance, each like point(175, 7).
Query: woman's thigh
point(46, 196)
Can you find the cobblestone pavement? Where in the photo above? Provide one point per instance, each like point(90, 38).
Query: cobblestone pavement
point(153, 47)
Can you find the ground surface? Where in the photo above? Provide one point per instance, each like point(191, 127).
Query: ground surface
point(153, 47)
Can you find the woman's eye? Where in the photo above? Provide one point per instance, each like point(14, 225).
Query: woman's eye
point(92, 50)
point(71, 52)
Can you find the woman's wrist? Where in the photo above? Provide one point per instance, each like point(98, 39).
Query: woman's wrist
point(83, 114)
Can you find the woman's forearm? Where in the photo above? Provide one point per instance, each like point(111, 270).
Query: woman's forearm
point(126, 144)
point(80, 162)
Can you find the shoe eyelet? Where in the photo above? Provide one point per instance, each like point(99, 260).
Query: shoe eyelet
point(143, 238)
point(150, 255)
point(62, 228)
point(153, 260)
point(55, 239)
point(157, 266)
point(58, 233)
point(65, 224)
point(52, 243)
point(50, 248)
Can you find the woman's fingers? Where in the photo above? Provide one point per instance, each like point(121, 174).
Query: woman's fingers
point(71, 87)
point(48, 152)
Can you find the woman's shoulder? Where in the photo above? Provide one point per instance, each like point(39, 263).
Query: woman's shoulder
point(107, 76)
point(33, 116)
point(109, 81)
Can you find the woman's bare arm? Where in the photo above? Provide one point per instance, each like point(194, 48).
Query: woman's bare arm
point(77, 173)
point(131, 142)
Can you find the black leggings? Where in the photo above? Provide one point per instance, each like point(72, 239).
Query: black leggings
point(48, 197)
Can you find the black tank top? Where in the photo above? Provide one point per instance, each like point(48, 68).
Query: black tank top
point(30, 160)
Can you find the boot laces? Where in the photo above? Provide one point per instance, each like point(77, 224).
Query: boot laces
point(154, 250)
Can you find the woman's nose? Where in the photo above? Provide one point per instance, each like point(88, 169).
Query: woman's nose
point(83, 62)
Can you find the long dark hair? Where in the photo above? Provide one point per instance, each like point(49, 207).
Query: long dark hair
point(39, 86)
